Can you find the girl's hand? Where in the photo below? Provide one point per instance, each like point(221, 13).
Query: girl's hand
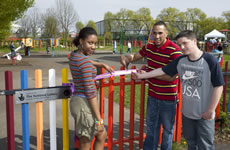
point(100, 128)
point(108, 68)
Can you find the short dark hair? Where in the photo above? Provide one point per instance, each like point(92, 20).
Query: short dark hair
point(83, 34)
point(161, 23)
point(186, 33)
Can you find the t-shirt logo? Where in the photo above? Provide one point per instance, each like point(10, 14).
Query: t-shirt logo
point(188, 75)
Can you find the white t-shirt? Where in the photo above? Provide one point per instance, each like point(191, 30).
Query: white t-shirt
point(129, 45)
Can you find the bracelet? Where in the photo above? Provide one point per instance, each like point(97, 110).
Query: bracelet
point(101, 122)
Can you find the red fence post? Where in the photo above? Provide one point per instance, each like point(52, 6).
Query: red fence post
point(110, 114)
point(121, 110)
point(142, 110)
point(218, 106)
point(179, 114)
point(9, 111)
point(132, 108)
point(225, 87)
point(102, 95)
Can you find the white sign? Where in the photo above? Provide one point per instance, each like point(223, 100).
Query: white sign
point(36, 95)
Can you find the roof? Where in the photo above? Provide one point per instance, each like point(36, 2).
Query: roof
point(214, 34)
point(224, 30)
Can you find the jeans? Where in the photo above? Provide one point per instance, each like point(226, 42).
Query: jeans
point(199, 134)
point(159, 112)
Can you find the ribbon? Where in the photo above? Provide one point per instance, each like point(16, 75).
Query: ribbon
point(115, 73)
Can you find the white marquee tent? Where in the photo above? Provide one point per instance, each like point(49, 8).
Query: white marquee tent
point(214, 34)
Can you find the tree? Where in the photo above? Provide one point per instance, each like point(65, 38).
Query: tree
point(108, 21)
point(208, 24)
point(143, 19)
point(129, 22)
point(11, 10)
point(50, 24)
point(195, 16)
point(35, 21)
point(67, 17)
point(226, 15)
point(92, 24)
point(107, 37)
point(79, 25)
point(122, 19)
point(175, 20)
point(25, 28)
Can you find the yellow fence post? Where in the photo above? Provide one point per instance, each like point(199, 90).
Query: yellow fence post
point(65, 113)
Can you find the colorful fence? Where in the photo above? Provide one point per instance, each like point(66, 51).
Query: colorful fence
point(52, 107)
point(131, 138)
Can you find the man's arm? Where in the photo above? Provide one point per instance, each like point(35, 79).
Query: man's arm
point(128, 58)
point(209, 114)
point(166, 77)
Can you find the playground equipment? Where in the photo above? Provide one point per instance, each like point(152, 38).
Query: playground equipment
point(14, 58)
point(54, 42)
point(9, 54)
point(28, 43)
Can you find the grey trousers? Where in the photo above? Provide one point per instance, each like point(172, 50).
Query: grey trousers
point(199, 134)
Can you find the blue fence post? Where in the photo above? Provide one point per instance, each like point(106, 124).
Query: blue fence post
point(25, 114)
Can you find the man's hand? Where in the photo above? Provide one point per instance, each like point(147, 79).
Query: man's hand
point(124, 60)
point(129, 58)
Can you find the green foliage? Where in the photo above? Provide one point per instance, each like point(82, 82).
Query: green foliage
point(129, 20)
point(174, 19)
point(4, 30)
point(92, 24)
point(224, 116)
point(79, 25)
point(226, 15)
point(100, 40)
point(50, 27)
point(10, 11)
point(108, 36)
point(193, 19)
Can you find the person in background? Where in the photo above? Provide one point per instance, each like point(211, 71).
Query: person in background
point(202, 85)
point(129, 47)
point(114, 47)
point(218, 52)
point(12, 50)
point(84, 104)
point(162, 92)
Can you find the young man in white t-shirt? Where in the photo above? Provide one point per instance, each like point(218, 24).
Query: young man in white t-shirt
point(202, 85)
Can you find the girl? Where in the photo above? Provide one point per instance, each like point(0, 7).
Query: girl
point(83, 104)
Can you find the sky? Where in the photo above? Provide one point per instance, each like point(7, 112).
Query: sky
point(95, 9)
